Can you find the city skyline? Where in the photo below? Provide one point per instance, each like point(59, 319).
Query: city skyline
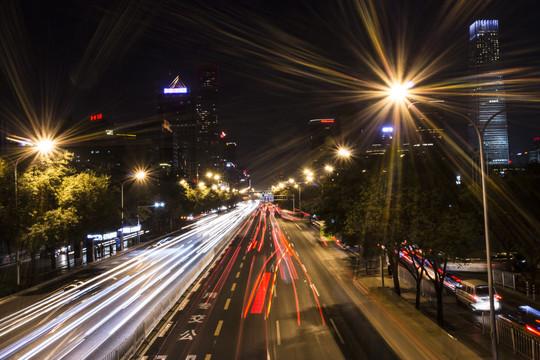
point(276, 73)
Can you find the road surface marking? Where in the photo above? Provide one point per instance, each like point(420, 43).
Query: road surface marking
point(233, 286)
point(196, 287)
point(218, 328)
point(183, 305)
point(337, 332)
point(162, 333)
point(278, 334)
point(241, 265)
point(227, 304)
point(244, 258)
point(238, 274)
point(314, 288)
point(208, 357)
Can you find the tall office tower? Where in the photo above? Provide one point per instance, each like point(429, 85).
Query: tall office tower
point(324, 135)
point(211, 150)
point(488, 91)
point(428, 119)
point(179, 138)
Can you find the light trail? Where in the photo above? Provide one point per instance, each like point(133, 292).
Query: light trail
point(152, 273)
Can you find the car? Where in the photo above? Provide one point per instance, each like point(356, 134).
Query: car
point(475, 295)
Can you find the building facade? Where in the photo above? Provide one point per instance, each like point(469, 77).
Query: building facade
point(180, 135)
point(324, 135)
point(207, 98)
point(488, 91)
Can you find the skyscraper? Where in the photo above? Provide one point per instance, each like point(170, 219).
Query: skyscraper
point(324, 135)
point(488, 91)
point(211, 149)
point(179, 130)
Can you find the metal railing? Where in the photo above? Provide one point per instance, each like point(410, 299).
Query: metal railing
point(519, 339)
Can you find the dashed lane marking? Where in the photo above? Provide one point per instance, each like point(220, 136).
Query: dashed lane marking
point(337, 332)
point(278, 333)
point(183, 305)
point(218, 328)
point(227, 304)
point(165, 328)
point(233, 286)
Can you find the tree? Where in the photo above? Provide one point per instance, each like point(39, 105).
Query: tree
point(51, 229)
point(90, 197)
point(37, 195)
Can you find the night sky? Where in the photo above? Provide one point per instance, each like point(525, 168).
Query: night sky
point(282, 63)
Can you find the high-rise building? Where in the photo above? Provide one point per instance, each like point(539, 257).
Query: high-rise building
point(324, 135)
point(428, 119)
point(488, 91)
point(211, 150)
point(179, 142)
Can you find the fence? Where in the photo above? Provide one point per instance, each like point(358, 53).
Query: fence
point(519, 339)
point(515, 281)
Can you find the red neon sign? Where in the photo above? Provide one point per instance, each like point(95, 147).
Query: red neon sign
point(96, 117)
point(327, 121)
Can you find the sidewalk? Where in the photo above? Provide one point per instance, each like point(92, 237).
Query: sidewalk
point(410, 333)
point(41, 274)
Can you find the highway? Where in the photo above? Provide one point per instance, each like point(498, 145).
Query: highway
point(274, 294)
point(110, 307)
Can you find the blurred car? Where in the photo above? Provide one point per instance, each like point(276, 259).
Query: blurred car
point(475, 295)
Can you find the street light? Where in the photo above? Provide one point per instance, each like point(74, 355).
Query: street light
point(138, 176)
point(44, 148)
point(480, 137)
point(342, 152)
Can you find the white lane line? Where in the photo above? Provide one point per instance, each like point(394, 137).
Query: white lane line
point(314, 288)
point(337, 331)
point(278, 334)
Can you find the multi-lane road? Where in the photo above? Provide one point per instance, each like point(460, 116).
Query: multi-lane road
point(261, 285)
point(109, 307)
point(273, 294)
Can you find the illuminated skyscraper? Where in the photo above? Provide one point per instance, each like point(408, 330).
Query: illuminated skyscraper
point(488, 91)
point(179, 130)
point(211, 149)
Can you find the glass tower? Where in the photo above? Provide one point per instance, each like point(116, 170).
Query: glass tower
point(488, 91)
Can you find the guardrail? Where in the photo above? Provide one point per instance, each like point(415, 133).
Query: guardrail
point(515, 281)
point(519, 339)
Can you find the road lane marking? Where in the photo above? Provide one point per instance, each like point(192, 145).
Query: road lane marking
point(238, 274)
point(227, 304)
point(278, 334)
point(233, 286)
point(218, 328)
point(208, 357)
point(196, 287)
point(162, 333)
point(337, 331)
point(183, 305)
point(314, 288)
point(241, 265)
point(244, 258)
